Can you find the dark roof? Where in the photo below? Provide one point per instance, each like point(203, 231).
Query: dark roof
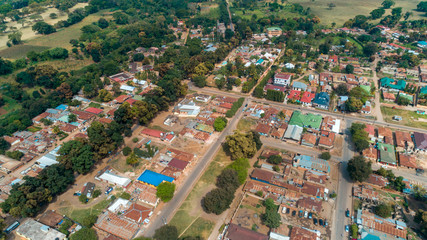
point(420, 140)
point(236, 232)
point(178, 164)
point(322, 98)
point(262, 175)
point(50, 218)
point(263, 128)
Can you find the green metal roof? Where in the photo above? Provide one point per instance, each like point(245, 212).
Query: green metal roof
point(306, 120)
point(423, 90)
point(274, 29)
point(391, 83)
point(387, 153)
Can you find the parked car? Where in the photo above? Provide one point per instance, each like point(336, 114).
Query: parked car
point(300, 213)
point(108, 190)
point(284, 209)
point(347, 228)
point(315, 221)
point(288, 210)
point(305, 214)
point(310, 215)
point(320, 222)
point(347, 213)
point(326, 223)
point(294, 213)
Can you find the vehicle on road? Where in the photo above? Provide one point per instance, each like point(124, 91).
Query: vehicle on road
point(347, 213)
point(108, 190)
point(12, 227)
point(347, 228)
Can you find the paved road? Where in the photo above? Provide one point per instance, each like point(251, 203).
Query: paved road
point(344, 192)
point(181, 194)
point(311, 110)
point(377, 109)
point(408, 174)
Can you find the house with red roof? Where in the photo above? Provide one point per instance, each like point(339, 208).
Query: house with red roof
point(131, 101)
point(121, 99)
point(307, 98)
point(94, 110)
point(153, 133)
point(294, 95)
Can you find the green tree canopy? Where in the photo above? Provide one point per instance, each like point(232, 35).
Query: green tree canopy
point(220, 123)
point(228, 179)
point(383, 210)
point(240, 145)
point(218, 200)
point(166, 232)
point(165, 191)
point(84, 233)
point(359, 169)
point(275, 159)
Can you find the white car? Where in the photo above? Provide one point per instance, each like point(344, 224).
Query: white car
point(347, 228)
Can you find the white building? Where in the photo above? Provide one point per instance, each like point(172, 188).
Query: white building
point(282, 79)
point(289, 66)
point(127, 88)
point(187, 108)
point(32, 229)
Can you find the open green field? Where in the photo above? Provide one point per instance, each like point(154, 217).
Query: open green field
point(263, 11)
point(59, 39)
point(79, 214)
point(409, 118)
point(345, 10)
point(188, 219)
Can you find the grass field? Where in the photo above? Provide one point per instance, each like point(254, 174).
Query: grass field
point(345, 10)
point(245, 124)
point(409, 118)
point(188, 218)
point(79, 214)
point(59, 39)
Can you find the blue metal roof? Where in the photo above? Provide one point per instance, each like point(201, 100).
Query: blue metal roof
point(422, 43)
point(153, 178)
point(62, 107)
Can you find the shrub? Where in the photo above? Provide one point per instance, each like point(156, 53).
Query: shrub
point(165, 191)
point(126, 151)
point(274, 159)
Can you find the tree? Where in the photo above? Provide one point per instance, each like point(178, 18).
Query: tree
point(275, 159)
point(270, 217)
point(103, 23)
point(359, 169)
point(76, 155)
point(43, 28)
point(65, 91)
point(105, 96)
point(96, 193)
point(228, 179)
point(72, 118)
point(383, 210)
point(6, 66)
point(83, 199)
point(403, 101)
point(240, 145)
point(370, 49)
point(132, 159)
point(353, 104)
point(217, 201)
point(359, 136)
point(387, 4)
point(354, 231)
point(220, 123)
point(165, 191)
point(325, 155)
point(84, 233)
point(53, 16)
point(17, 155)
point(15, 38)
point(166, 232)
point(89, 220)
point(199, 81)
point(341, 90)
point(4, 145)
point(127, 150)
point(241, 166)
point(324, 48)
point(349, 69)
point(377, 13)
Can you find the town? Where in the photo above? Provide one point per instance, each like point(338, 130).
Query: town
point(213, 120)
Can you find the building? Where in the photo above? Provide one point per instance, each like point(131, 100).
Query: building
point(153, 179)
point(422, 44)
point(50, 218)
point(298, 233)
point(314, 190)
point(33, 230)
point(307, 98)
point(404, 141)
point(187, 108)
point(8, 165)
point(393, 228)
point(299, 86)
point(88, 189)
point(365, 192)
point(420, 141)
point(377, 180)
point(321, 100)
point(370, 154)
point(326, 139)
point(310, 204)
point(308, 120)
point(311, 163)
point(235, 232)
point(274, 32)
point(282, 79)
point(117, 225)
point(408, 161)
point(138, 213)
point(263, 129)
point(309, 139)
point(293, 132)
point(394, 85)
point(387, 154)
point(106, 175)
point(121, 77)
point(126, 88)
point(143, 193)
